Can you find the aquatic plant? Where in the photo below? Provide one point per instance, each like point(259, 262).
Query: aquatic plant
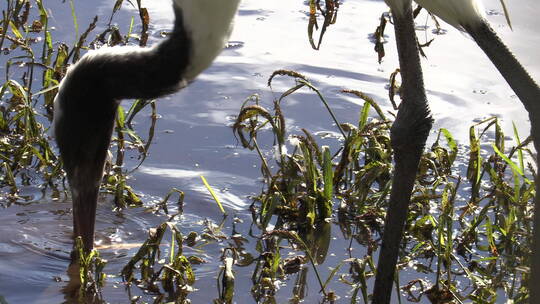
point(468, 227)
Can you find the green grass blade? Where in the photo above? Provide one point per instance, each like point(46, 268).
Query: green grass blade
point(520, 152)
point(364, 115)
point(328, 175)
point(451, 143)
point(213, 194)
point(507, 160)
point(75, 22)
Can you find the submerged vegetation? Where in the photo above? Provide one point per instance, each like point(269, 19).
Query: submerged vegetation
point(468, 234)
point(469, 230)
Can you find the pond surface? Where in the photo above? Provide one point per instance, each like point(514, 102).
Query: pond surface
point(193, 134)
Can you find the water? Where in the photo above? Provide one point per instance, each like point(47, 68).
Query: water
point(193, 136)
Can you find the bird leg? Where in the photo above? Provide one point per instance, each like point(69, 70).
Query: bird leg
point(528, 92)
point(408, 137)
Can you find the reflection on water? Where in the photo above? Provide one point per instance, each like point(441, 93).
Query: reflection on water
point(193, 139)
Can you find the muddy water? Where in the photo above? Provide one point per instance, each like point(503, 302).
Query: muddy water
point(193, 136)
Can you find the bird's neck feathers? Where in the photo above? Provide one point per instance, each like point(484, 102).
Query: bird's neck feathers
point(93, 86)
point(458, 13)
point(201, 31)
point(209, 24)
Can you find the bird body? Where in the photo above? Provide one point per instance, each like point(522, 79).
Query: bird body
point(466, 15)
point(469, 16)
point(458, 13)
point(398, 7)
point(209, 24)
point(89, 94)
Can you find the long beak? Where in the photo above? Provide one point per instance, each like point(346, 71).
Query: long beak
point(84, 214)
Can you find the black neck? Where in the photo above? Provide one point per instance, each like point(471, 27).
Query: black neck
point(87, 103)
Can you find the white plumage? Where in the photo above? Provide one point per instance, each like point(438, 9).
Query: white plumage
point(210, 27)
point(458, 13)
point(398, 6)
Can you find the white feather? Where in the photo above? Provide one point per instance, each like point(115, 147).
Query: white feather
point(458, 13)
point(209, 24)
point(398, 6)
point(103, 51)
point(57, 111)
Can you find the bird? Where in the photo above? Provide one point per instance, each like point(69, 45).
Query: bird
point(467, 16)
point(408, 136)
point(89, 94)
